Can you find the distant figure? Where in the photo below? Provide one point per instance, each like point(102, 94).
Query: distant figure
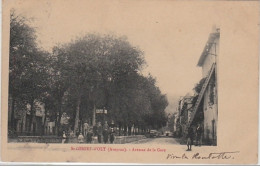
point(189, 138)
point(112, 135)
point(77, 132)
point(106, 126)
point(64, 137)
point(112, 132)
point(95, 130)
point(89, 134)
point(80, 138)
point(105, 132)
point(99, 132)
point(72, 134)
point(180, 132)
point(199, 135)
point(86, 126)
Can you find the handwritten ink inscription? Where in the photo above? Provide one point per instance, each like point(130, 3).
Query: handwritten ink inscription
point(198, 156)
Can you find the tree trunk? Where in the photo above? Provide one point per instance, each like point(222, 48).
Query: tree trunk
point(76, 126)
point(43, 130)
point(57, 121)
point(56, 129)
point(119, 129)
point(12, 115)
point(129, 130)
point(125, 129)
point(22, 125)
point(94, 114)
point(43, 126)
point(31, 116)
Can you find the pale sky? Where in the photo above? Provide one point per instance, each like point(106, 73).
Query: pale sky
point(172, 35)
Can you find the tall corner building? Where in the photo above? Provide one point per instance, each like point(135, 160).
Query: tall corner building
point(205, 111)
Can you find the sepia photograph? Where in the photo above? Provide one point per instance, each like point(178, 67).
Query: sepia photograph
point(122, 76)
point(100, 88)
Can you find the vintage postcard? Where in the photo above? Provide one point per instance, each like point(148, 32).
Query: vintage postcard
point(121, 81)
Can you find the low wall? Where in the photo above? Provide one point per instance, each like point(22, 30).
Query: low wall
point(55, 139)
point(118, 139)
point(128, 139)
point(39, 139)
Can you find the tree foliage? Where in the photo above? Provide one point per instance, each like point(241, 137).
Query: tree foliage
point(93, 71)
point(28, 65)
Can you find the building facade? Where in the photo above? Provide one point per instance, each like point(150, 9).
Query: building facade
point(207, 102)
point(22, 118)
point(185, 111)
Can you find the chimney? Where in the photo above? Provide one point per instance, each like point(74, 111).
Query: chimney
point(215, 29)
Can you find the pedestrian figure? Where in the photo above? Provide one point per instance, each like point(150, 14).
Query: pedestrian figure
point(199, 135)
point(189, 138)
point(72, 134)
point(112, 135)
point(80, 138)
point(99, 132)
point(112, 132)
point(106, 126)
point(95, 129)
point(77, 132)
point(105, 132)
point(64, 137)
point(89, 134)
point(86, 126)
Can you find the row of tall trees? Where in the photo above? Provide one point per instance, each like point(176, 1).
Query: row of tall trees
point(93, 71)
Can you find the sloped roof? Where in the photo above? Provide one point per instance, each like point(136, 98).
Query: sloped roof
point(207, 47)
